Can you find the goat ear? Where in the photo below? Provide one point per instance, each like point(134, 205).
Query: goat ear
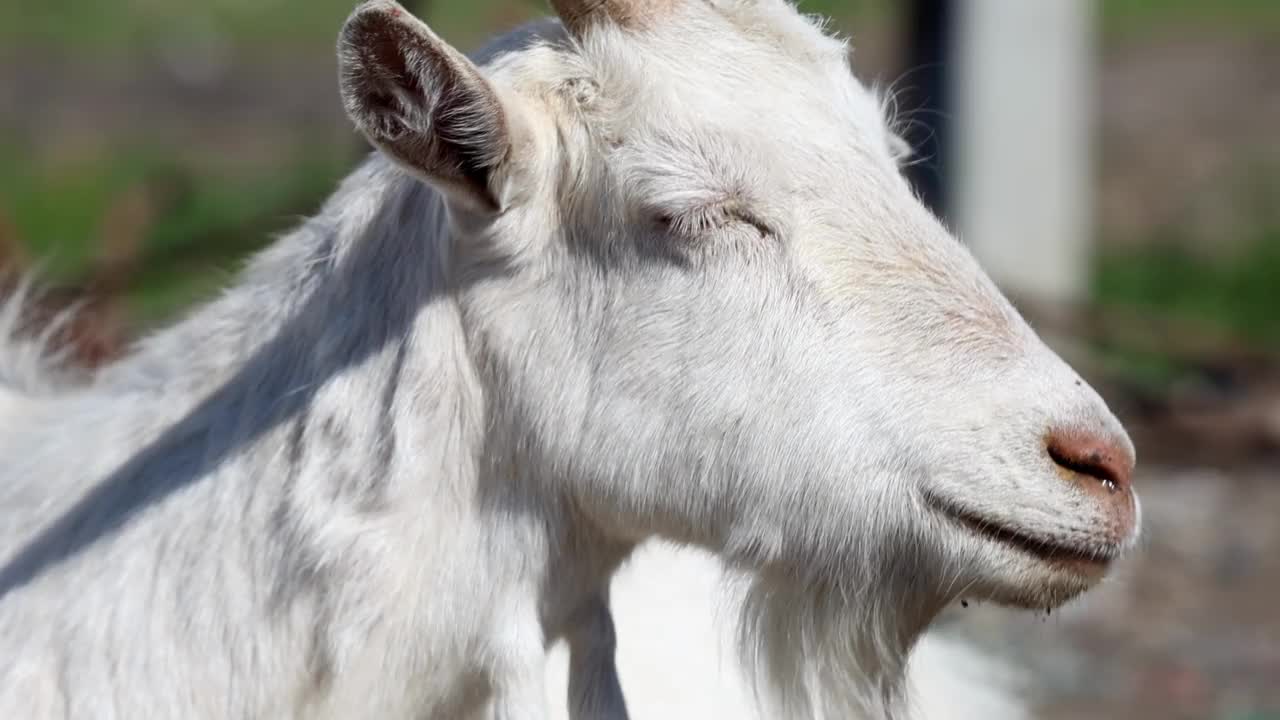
point(423, 103)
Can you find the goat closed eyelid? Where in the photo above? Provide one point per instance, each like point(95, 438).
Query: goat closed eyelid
point(697, 223)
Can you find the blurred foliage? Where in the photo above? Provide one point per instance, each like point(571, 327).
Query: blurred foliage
point(1135, 16)
point(1226, 278)
point(1234, 297)
point(1240, 292)
point(204, 222)
point(89, 26)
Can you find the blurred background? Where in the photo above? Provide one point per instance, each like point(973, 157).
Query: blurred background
point(1114, 163)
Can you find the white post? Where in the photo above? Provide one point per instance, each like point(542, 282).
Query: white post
point(1023, 180)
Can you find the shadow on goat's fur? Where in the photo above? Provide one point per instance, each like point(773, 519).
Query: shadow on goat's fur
point(286, 369)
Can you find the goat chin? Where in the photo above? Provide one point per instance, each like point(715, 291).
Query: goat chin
point(677, 658)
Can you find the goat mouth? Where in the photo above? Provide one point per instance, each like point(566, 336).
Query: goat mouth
point(1054, 552)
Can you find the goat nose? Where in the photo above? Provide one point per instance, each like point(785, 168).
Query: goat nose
point(1101, 462)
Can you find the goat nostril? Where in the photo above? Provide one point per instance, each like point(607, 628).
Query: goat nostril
point(1092, 456)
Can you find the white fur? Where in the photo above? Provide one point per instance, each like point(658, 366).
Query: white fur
point(657, 281)
point(31, 366)
point(30, 363)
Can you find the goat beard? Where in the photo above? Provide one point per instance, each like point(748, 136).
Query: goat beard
point(833, 648)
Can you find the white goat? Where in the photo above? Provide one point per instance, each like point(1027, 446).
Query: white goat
point(653, 274)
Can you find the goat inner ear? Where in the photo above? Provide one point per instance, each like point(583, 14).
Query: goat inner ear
point(423, 103)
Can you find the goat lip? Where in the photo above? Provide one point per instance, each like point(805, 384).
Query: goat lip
point(1048, 550)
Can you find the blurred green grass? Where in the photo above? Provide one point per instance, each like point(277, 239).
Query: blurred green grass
point(1137, 16)
point(1239, 293)
point(89, 26)
point(209, 221)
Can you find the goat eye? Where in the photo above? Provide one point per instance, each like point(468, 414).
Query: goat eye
point(695, 224)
